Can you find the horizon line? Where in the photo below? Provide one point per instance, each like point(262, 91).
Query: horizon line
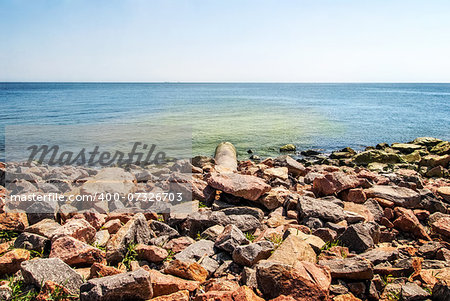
point(225, 82)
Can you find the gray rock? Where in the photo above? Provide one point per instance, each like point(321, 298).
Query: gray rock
point(45, 227)
point(209, 264)
point(401, 196)
point(355, 268)
point(31, 241)
point(248, 277)
point(230, 238)
point(429, 249)
point(38, 271)
point(441, 291)
point(295, 168)
point(213, 232)
point(136, 230)
point(250, 254)
point(244, 210)
point(380, 255)
point(101, 238)
point(312, 222)
point(374, 208)
point(134, 285)
point(357, 238)
point(197, 250)
point(326, 211)
point(413, 292)
point(160, 229)
point(244, 222)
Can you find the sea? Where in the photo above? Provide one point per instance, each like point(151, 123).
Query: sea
point(253, 116)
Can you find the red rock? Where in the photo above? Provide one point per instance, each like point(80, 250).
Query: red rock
point(13, 221)
point(100, 270)
point(77, 228)
point(5, 246)
point(112, 226)
point(151, 253)
point(167, 284)
point(53, 291)
point(283, 298)
point(94, 218)
point(389, 213)
point(215, 296)
point(75, 252)
point(245, 186)
point(346, 297)
point(187, 270)
point(179, 244)
point(355, 195)
point(244, 293)
point(444, 192)
point(221, 284)
point(408, 222)
point(124, 217)
point(442, 226)
point(10, 262)
point(178, 296)
point(384, 203)
point(334, 183)
point(385, 222)
point(421, 214)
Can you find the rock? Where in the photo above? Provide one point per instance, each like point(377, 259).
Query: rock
point(408, 222)
point(249, 255)
point(225, 157)
point(441, 148)
point(37, 271)
point(51, 290)
point(101, 238)
point(381, 254)
point(441, 290)
point(77, 228)
point(213, 232)
point(435, 161)
point(151, 253)
point(10, 261)
point(31, 241)
point(326, 234)
point(304, 281)
point(444, 192)
point(187, 270)
point(276, 172)
point(244, 210)
point(354, 268)
point(288, 148)
point(334, 183)
point(346, 297)
point(196, 251)
point(135, 230)
point(245, 186)
point(357, 213)
point(426, 141)
point(378, 156)
point(10, 221)
point(134, 285)
point(5, 291)
point(412, 292)
point(315, 242)
point(112, 226)
point(113, 180)
point(167, 284)
point(442, 226)
point(275, 197)
point(45, 228)
point(401, 196)
point(374, 207)
point(179, 244)
point(178, 296)
point(291, 250)
point(162, 229)
point(308, 207)
point(295, 168)
point(75, 252)
point(355, 195)
point(357, 238)
point(406, 148)
point(230, 238)
point(100, 270)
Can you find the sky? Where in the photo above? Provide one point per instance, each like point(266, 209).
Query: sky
point(225, 41)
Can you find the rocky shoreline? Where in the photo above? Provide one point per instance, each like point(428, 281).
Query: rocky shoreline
point(373, 225)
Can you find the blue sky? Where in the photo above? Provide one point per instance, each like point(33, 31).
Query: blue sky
point(225, 41)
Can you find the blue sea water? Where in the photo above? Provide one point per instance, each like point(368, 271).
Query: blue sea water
point(257, 116)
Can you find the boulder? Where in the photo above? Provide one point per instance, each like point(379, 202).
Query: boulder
point(13, 221)
point(225, 157)
point(308, 207)
point(315, 242)
point(407, 148)
point(291, 250)
point(412, 292)
point(352, 268)
point(177, 296)
point(136, 230)
point(355, 195)
point(134, 285)
point(151, 253)
point(379, 156)
point(196, 251)
point(295, 168)
point(75, 252)
point(408, 222)
point(275, 197)
point(249, 255)
point(444, 192)
point(276, 173)
point(401, 196)
point(100, 270)
point(10, 261)
point(179, 244)
point(167, 284)
point(442, 226)
point(304, 281)
point(335, 182)
point(357, 238)
point(381, 254)
point(230, 238)
point(31, 241)
point(245, 186)
point(186, 270)
point(288, 148)
point(79, 229)
point(37, 271)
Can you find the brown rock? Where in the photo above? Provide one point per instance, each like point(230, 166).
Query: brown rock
point(179, 244)
point(304, 281)
point(275, 197)
point(444, 192)
point(244, 293)
point(334, 183)
point(215, 295)
point(408, 222)
point(151, 253)
point(221, 284)
point(346, 297)
point(45, 227)
point(112, 180)
point(77, 228)
point(178, 296)
point(355, 195)
point(401, 196)
point(442, 226)
point(112, 226)
point(245, 186)
point(167, 284)
point(75, 252)
point(100, 270)
point(10, 262)
point(13, 221)
point(187, 270)
point(53, 291)
point(5, 246)
point(356, 268)
point(293, 249)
